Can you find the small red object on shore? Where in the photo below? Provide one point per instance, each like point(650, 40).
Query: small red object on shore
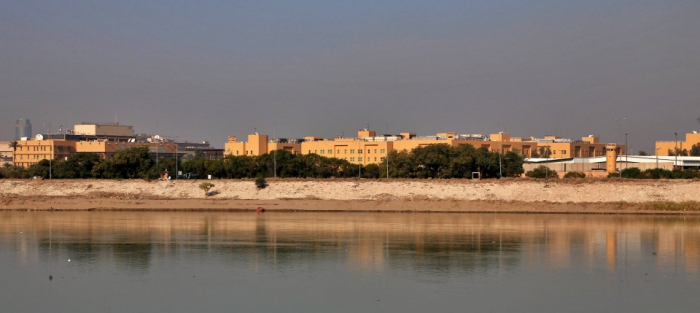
point(261, 209)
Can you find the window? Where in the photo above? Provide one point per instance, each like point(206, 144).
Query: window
point(352, 159)
point(563, 151)
point(382, 159)
point(322, 151)
point(338, 151)
point(383, 151)
point(369, 151)
point(359, 159)
point(375, 159)
point(352, 151)
point(375, 150)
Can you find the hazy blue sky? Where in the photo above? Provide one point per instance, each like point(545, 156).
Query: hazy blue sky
point(202, 70)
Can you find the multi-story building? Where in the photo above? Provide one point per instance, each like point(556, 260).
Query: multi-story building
point(259, 144)
point(23, 128)
point(32, 151)
point(666, 148)
point(103, 140)
point(368, 148)
point(589, 146)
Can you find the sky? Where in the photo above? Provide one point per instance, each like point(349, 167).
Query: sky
point(204, 70)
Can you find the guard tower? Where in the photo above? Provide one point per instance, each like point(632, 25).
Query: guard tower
point(611, 158)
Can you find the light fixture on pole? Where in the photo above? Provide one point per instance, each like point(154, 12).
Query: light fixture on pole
point(676, 152)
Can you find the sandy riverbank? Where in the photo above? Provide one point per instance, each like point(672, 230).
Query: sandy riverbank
point(515, 195)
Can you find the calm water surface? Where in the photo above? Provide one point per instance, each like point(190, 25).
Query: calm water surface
point(347, 262)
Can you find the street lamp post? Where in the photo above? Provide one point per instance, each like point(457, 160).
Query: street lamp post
point(626, 163)
point(657, 158)
point(500, 150)
point(619, 120)
point(676, 152)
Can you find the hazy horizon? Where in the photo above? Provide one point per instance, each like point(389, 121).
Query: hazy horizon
point(206, 70)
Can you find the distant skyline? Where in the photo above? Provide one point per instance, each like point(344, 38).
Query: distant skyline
point(209, 69)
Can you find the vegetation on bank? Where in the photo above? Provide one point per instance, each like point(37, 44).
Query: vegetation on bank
point(434, 161)
point(656, 173)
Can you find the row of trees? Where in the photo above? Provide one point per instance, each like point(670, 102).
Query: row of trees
point(434, 161)
point(694, 151)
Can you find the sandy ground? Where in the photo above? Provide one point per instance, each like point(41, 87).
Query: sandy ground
point(508, 195)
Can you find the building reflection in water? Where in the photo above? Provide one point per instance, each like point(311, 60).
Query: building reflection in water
point(439, 243)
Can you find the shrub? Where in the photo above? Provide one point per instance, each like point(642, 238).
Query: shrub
point(575, 175)
point(632, 172)
point(206, 186)
point(542, 172)
point(260, 182)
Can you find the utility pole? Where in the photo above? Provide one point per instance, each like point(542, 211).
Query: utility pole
point(387, 162)
point(177, 156)
point(274, 151)
point(500, 150)
point(676, 152)
point(620, 119)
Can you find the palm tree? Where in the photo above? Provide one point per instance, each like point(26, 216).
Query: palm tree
point(13, 144)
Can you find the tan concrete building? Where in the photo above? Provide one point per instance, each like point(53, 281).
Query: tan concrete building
point(105, 149)
point(30, 152)
point(664, 147)
point(589, 146)
point(107, 130)
point(6, 152)
point(368, 148)
point(258, 144)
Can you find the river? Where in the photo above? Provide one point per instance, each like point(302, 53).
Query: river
point(347, 262)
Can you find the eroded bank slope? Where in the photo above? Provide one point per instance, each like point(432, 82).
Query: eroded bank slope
point(521, 195)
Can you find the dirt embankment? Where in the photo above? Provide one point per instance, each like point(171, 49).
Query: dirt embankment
point(508, 195)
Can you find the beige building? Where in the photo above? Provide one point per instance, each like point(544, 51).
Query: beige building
point(6, 152)
point(30, 152)
point(368, 148)
point(101, 139)
point(106, 130)
point(589, 146)
point(105, 149)
point(664, 147)
point(258, 144)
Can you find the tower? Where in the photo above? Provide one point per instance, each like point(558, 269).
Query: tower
point(23, 128)
point(611, 158)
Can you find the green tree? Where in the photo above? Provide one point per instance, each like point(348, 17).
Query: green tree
point(79, 165)
point(127, 163)
point(260, 182)
point(40, 169)
point(513, 164)
point(431, 161)
point(206, 186)
point(695, 150)
point(371, 171)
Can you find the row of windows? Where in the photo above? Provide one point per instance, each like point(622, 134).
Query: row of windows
point(345, 151)
point(32, 157)
point(38, 148)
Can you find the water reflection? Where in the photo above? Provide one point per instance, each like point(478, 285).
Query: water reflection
point(439, 244)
